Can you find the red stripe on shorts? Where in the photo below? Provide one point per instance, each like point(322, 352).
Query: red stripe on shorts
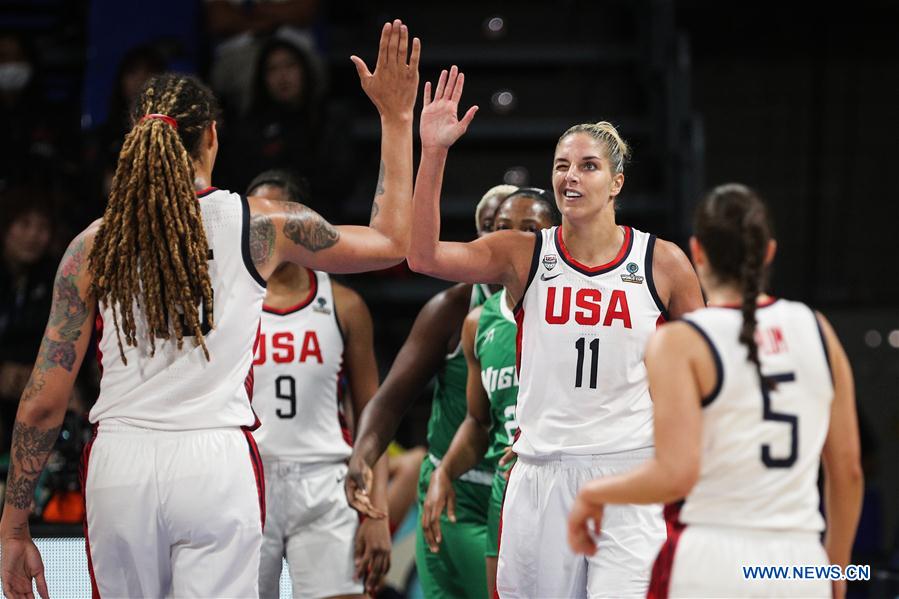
point(660, 581)
point(85, 457)
point(258, 471)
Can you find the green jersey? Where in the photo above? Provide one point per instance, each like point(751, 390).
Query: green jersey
point(495, 346)
point(449, 406)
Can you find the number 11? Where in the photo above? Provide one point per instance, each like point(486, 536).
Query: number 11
point(594, 362)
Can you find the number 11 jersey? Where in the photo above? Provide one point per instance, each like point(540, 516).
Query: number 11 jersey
point(582, 332)
point(298, 375)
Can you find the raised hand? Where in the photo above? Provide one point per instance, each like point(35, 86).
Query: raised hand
point(440, 125)
point(394, 84)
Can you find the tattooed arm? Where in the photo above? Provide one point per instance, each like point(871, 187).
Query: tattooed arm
point(41, 411)
point(294, 233)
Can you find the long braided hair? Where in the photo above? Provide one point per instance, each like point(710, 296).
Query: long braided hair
point(151, 250)
point(733, 226)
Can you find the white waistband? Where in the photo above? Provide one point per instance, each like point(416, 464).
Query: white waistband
point(116, 426)
point(478, 477)
point(634, 456)
point(283, 467)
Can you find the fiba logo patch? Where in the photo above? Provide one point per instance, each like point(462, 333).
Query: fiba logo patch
point(549, 261)
point(631, 276)
point(321, 307)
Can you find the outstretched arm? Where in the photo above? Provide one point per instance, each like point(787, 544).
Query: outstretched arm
point(372, 547)
point(502, 257)
point(41, 412)
point(417, 361)
point(469, 444)
point(287, 232)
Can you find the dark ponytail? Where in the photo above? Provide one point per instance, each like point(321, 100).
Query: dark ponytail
point(732, 225)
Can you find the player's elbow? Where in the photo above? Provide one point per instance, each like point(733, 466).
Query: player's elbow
point(682, 477)
point(420, 262)
point(846, 471)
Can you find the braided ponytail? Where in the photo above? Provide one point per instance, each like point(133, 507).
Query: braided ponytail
point(732, 225)
point(751, 274)
point(151, 250)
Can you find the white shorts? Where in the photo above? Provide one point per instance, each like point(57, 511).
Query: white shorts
point(708, 561)
point(173, 513)
point(534, 557)
point(308, 522)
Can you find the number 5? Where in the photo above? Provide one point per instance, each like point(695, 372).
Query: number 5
point(791, 419)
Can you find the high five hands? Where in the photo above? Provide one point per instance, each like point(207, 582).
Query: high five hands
point(440, 125)
point(393, 86)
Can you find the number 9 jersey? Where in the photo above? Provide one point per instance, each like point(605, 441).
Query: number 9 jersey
point(298, 372)
point(582, 333)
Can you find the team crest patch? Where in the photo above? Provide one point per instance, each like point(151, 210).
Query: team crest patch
point(632, 276)
point(321, 306)
point(549, 261)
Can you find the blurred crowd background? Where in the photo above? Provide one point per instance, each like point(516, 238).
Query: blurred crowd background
point(795, 101)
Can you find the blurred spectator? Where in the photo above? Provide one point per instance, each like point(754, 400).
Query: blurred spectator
point(286, 126)
point(26, 287)
point(237, 26)
point(30, 140)
point(138, 65)
point(101, 146)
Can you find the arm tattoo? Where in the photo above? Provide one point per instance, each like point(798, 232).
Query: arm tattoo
point(34, 386)
point(379, 190)
point(69, 310)
point(67, 316)
point(30, 447)
point(262, 239)
point(307, 228)
point(56, 353)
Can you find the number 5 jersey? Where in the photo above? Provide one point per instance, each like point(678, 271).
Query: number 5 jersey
point(761, 447)
point(582, 332)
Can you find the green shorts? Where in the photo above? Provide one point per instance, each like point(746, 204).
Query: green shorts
point(458, 569)
point(494, 513)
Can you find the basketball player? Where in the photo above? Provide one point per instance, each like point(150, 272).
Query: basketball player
point(313, 332)
point(175, 275)
point(749, 394)
point(588, 293)
point(433, 348)
point(488, 342)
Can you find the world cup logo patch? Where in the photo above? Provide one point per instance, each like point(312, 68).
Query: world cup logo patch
point(632, 276)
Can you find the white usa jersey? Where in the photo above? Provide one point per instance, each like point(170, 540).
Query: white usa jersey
point(298, 370)
point(178, 389)
point(761, 449)
point(582, 333)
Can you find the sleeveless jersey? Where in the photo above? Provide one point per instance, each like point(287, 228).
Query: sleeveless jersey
point(298, 372)
point(449, 408)
point(178, 389)
point(761, 449)
point(494, 347)
point(582, 332)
